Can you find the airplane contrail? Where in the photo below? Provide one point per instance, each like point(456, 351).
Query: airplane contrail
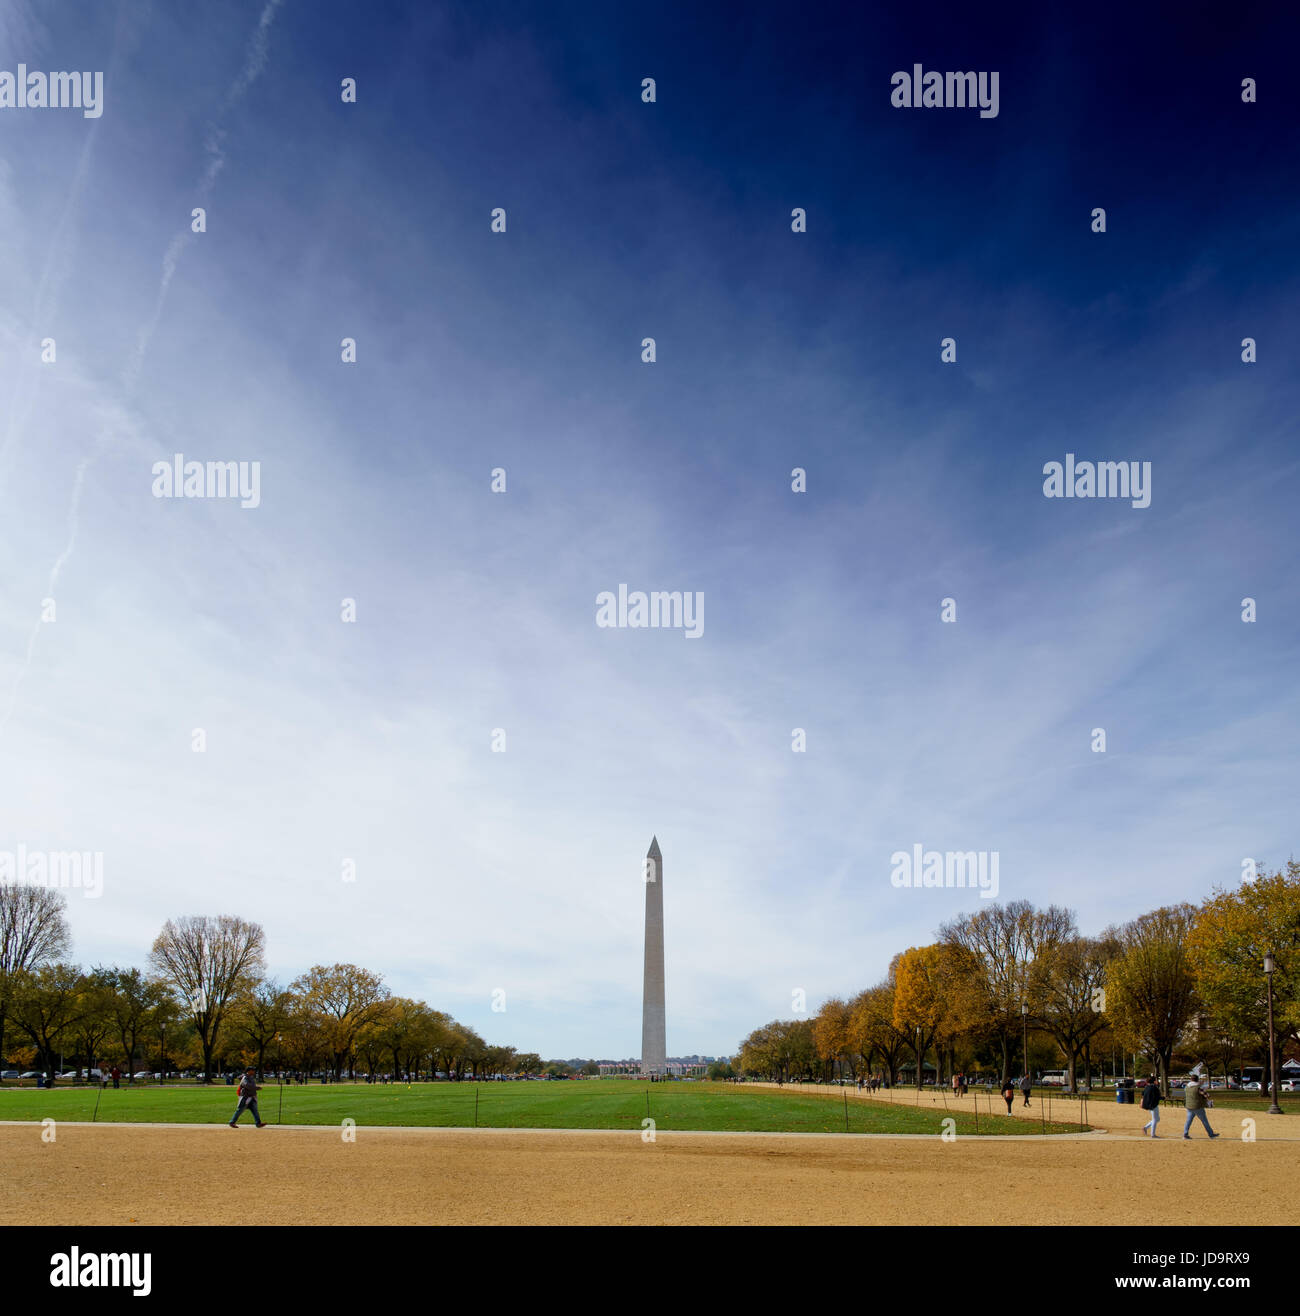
point(48, 291)
point(254, 63)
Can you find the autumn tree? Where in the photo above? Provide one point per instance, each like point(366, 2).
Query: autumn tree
point(304, 1035)
point(46, 1005)
point(965, 1021)
point(344, 998)
point(781, 1050)
point(1232, 933)
point(258, 1017)
point(474, 1053)
point(132, 1001)
point(168, 1019)
point(501, 1060)
point(33, 932)
point(1006, 940)
point(95, 1023)
point(919, 1008)
point(208, 962)
point(831, 1035)
point(412, 1033)
point(1151, 985)
point(872, 1031)
point(1068, 987)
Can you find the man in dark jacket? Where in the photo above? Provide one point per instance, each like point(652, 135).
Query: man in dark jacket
point(1025, 1086)
point(1151, 1103)
point(248, 1086)
point(1194, 1100)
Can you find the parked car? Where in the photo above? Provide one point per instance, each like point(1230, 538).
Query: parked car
point(33, 1073)
point(10, 1073)
point(1250, 1087)
point(144, 1073)
point(1290, 1085)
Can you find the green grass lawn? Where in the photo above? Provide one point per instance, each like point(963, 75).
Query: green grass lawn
point(592, 1104)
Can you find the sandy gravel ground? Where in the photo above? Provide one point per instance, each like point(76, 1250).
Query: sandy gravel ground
point(154, 1174)
point(1102, 1111)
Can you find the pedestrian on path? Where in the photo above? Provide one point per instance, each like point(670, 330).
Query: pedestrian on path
point(248, 1086)
point(1194, 1100)
point(1025, 1086)
point(1151, 1102)
point(1008, 1093)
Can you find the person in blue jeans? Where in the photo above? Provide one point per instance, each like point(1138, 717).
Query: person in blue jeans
point(247, 1099)
point(1151, 1104)
point(1194, 1100)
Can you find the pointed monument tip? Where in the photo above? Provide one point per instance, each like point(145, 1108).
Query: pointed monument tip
point(653, 851)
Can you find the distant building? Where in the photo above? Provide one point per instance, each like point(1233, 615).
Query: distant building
point(679, 1066)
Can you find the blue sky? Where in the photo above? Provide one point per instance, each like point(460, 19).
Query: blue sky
point(522, 870)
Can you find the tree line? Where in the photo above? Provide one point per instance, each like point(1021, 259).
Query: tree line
point(204, 1003)
point(1181, 983)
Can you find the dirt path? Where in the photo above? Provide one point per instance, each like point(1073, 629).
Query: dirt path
point(198, 1175)
point(1103, 1112)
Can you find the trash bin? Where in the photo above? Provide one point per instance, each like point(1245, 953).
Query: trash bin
point(230, 1080)
point(40, 1080)
point(1119, 1096)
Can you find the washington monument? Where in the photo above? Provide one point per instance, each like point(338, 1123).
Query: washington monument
point(654, 1048)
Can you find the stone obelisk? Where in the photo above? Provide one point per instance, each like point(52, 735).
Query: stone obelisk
point(654, 1047)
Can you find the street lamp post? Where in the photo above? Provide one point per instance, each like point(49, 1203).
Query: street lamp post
point(1269, 966)
point(1024, 1019)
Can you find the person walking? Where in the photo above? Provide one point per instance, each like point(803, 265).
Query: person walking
point(1151, 1102)
point(1025, 1086)
point(1008, 1093)
point(248, 1086)
point(117, 1077)
point(1195, 1101)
